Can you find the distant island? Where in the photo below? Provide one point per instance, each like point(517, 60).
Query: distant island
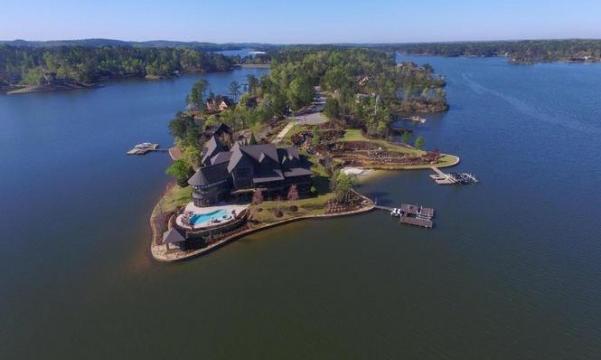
point(290, 146)
point(518, 52)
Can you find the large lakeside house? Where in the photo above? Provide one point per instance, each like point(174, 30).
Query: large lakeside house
point(243, 169)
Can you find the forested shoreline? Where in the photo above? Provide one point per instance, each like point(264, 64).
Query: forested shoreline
point(79, 66)
point(518, 52)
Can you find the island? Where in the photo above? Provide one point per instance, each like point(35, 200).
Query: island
point(290, 147)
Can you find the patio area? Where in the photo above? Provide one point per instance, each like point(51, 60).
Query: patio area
point(196, 218)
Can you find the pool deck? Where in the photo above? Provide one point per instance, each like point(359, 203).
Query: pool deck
point(206, 210)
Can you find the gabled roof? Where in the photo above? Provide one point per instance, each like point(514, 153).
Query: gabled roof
point(208, 175)
point(222, 129)
point(212, 147)
point(255, 151)
point(269, 163)
point(172, 236)
point(235, 157)
point(288, 154)
point(221, 157)
point(219, 99)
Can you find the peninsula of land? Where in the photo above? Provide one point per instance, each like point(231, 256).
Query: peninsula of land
point(285, 147)
point(26, 69)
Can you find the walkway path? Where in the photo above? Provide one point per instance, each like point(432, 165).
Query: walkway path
point(437, 171)
point(312, 116)
point(283, 133)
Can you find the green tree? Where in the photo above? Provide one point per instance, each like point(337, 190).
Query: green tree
point(185, 128)
point(253, 84)
point(234, 89)
point(181, 171)
point(197, 94)
point(332, 108)
point(406, 137)
point(300, 92)
point(419, 142)
point(191, 154)
point(342, 185)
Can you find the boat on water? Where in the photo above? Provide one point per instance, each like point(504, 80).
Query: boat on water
point(417, 119)
point(143, 148)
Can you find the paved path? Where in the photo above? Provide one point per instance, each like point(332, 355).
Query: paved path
point(283, 133)
point(315, 118)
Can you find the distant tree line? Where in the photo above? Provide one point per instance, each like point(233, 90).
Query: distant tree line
point(525, 51)
point(35, 66)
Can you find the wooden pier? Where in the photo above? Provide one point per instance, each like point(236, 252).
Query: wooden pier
point(425, 223)
point(411, 214)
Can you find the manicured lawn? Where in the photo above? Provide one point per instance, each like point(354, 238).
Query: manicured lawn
point(357, 135)
point(309, 206)
point(175, 197)
point(354, 135)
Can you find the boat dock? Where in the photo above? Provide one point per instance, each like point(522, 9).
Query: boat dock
point(143, 148)
point(442, 178)
point(411, 214)
point(425, 223)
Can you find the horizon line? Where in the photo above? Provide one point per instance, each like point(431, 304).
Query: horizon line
point(305, 44)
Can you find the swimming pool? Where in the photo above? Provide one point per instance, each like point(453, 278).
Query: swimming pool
point(201, 219)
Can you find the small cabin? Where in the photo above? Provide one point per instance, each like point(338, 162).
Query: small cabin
point(218, 104)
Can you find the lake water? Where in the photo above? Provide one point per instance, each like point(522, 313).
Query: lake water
point(511, 270)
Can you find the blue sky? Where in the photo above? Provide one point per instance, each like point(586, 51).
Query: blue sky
point(306, 21)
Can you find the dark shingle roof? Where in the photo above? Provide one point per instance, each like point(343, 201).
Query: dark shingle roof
point(255, 151)
point(264, 177)
point(269, 163)
point(223, 129)
point(208, 175)
point(212, 147)
point(221, 157)
point(235, 157)
point(172, 236)
point(294, 172)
